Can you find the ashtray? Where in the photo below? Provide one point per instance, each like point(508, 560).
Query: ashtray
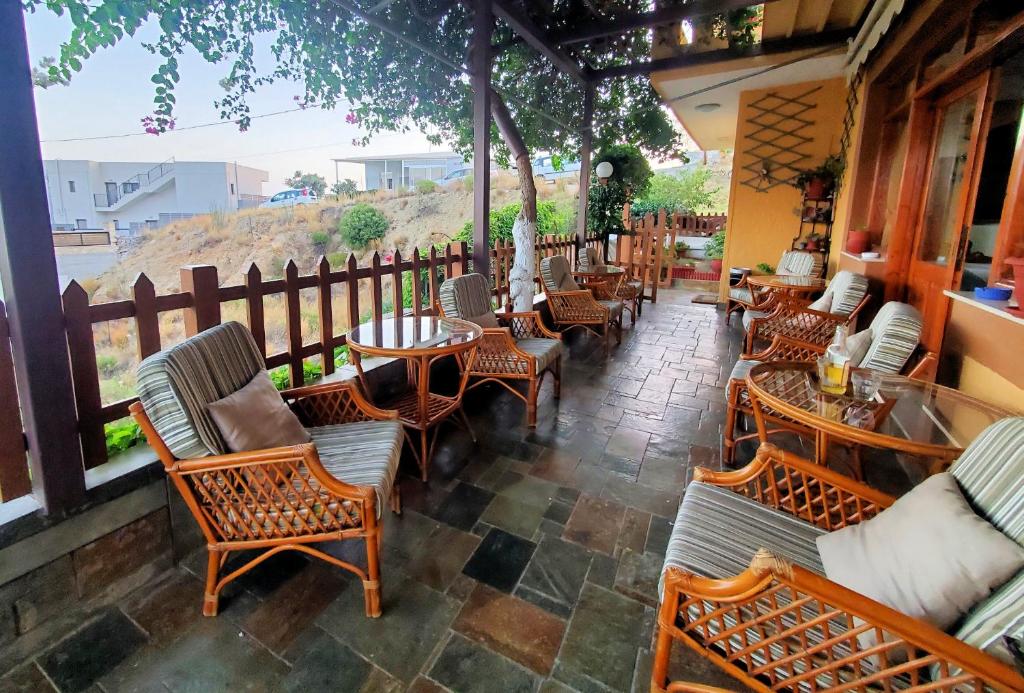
point(869, 256)
point(992, 293)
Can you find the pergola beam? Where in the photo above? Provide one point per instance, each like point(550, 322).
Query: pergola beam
point(623, 23)
point(810, 41)
point(539, 39)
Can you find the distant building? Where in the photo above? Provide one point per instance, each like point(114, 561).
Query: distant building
point(133, 196)
point(395, 171)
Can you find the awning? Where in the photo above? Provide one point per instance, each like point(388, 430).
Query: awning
point(880, 17)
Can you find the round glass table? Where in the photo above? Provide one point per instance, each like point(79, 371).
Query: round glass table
point(922, 419)
point(611, 275)
point(785, 282)
point(419, 341)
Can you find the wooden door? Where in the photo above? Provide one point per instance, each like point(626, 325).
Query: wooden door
point(951, 184)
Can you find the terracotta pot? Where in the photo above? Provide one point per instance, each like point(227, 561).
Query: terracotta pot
point(858, 241)
point(815, 189)
point(811, 245)
point(1017, 263)
point(716, 266)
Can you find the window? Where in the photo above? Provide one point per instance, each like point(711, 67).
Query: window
point(81, 223)
point(278, 197)
point(71, 186)
point(232, 188)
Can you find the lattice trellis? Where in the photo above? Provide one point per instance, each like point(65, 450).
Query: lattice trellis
point(781, 139)
point(849, 121)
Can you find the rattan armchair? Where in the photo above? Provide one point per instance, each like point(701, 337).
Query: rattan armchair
point(629, 289)
point(796, 263)
point(892, 346)
point(519, 349)
point(272, 500)
point(814, 323)
point(593, 308)
point(781, 625)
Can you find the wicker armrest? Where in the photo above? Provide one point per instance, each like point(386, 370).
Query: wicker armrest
point(498, 353)
point(811, 492)
point(576, 305)
point(807, 608)
point(334, 403)
point(601, 289)
point(785, 348)
point(792, 320)
point(527, 325)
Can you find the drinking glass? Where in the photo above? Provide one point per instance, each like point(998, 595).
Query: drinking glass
point(865, 384)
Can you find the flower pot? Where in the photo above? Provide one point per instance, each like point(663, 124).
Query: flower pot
point(1017, 263)
point(716, 265)
point(811, 245)
point(858, 241)
point(815, 189)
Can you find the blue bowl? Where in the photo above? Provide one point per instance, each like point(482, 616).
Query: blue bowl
point(992, 293)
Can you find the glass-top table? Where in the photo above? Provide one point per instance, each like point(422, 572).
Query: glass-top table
point(419, 341)
point(786, 282)
point(912, 416)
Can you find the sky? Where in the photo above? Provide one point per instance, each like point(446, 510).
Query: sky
point(113, 92)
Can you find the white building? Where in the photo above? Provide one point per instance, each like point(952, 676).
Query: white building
point(132, 195)
point(393, 171)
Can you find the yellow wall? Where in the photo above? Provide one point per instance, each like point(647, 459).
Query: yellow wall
point(978, 380)
point(762, 224)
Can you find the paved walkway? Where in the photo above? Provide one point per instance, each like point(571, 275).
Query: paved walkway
point(529, 562)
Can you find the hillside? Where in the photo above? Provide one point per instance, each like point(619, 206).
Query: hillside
point(269, 237)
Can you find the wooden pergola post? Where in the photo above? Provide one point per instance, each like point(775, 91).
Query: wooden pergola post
point(481, 55)
point(30, 284)
point(586, 143)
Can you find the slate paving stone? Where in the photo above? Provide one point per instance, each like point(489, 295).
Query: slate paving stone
point(602, 570)
point(663, 472)
point(604, 637)
point(555, 575)
point(628, 443)
point(527, 489)
point(555, 686)
point(463, 506)
point(595, 523)
point(465, 667)
point(27, 678)
point(321, 663)
point(425, 685)
point(637, 576)
point(517, 629)
point(439, 558)
point(634, 530)
point(413, 621)
point(635, 495)
point(658, 535)
point(500, 560)
point(515, 516)
point(168, 609)
point(86, 655)
point(559, 511)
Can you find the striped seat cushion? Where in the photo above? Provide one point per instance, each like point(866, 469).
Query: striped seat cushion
point(741, 294)
point(614, 306)
point(557, 275)
point(991, 475)
point(750, 315)
point(895, 334)
point(176, 385)
point(799, 263)
point(741, 368)
point(545, 351)
point(849, 291)
point(362, 453)
point(717, 532)
point(465, 297)
point(588, 258)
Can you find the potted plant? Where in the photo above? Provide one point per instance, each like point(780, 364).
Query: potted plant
point(815, 241)
point(818, 183)
point(1017, 263)
point(714, 251)
point(858, 241)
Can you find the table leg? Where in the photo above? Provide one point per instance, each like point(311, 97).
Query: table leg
point(357, 361)
point(821, 440)
point(423, 368)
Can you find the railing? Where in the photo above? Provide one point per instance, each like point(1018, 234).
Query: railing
point(503, 255)
point(14, 478)
point(134, 184)
point(72, 239)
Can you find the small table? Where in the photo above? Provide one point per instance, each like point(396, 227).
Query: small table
point(906, 415)
point(786, 283)
point(419, 342)
point(599, 273)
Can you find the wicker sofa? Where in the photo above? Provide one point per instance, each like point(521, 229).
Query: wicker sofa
point(284, 498)
point(743, 583)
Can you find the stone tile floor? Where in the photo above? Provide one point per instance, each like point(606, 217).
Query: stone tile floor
point(528, 563)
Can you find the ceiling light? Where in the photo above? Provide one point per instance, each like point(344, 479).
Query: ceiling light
point(707, 107)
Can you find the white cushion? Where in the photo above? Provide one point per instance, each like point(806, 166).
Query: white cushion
point(857, 345)
point(928, 556)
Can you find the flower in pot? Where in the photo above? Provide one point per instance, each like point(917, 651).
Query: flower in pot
point(818, 183)
point(714, 250)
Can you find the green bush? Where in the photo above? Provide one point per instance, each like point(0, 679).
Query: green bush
point(687, 192)
point(121, 435)
point(361, 225)
point(552, 218)
point(337, 259)
point(765, 267)
point(425, 186)
point(320, 239)
point(106, 365)
point(715, 247)
point(629, 167)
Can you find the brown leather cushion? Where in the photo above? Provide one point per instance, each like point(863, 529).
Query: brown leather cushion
point(255, 417)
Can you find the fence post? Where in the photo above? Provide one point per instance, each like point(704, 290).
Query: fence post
point(82, 353)
point(201, 282)
point(147, 322)
point(464, 265)
point(396, 284)
point(323, 297)
point(417, 283)
point(14, 479)
point(352, 290)
point(254, 307)
point(293, 315)
point(434, 263)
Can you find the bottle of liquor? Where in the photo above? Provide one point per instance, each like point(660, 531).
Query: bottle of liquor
point(837, 364)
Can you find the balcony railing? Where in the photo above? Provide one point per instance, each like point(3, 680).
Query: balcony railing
point(133, 184)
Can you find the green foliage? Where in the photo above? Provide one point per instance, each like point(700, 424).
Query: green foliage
point(121, 435)
point(320, 240)
point(765, 267)
point(425, 186)
point(829, 172)
point(715, 247)
point(310, 371)
point(552, 218)
point(629, 168)
point(107, 365)
point(361, 225)
point(313, 181)
point(739, 27)
point(337, 259)
point(344, 188)
point(687, 192)
point(604, 208)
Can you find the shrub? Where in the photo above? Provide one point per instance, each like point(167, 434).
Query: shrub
point(765, 267)
point(686, 192)
point(337, 259)
point(361, 225)
point(310, 371)
point(121, 435)
point(107, 365)
point(715, 247)
point(629, 167)
point(552, 218)
point(425, 186)
point(320, 239)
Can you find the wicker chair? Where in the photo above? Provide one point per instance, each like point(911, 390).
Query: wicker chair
point(594, 308)
point(515, 346)
point(815, 323)
point(279, 499)
point(744, 586)
point(890, 344)
point(630, 290)
point(796, 263)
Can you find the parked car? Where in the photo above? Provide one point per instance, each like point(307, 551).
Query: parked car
point(290, 198)
point(454, 176)
point(544, 167)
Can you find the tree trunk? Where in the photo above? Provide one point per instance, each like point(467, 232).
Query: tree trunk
point(524, 230)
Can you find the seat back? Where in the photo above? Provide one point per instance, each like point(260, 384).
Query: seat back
point(176, 385)
point(556, 274)
point(843, 295)
point(991, 475)
point(894, 335)
point(466, 297)
point(587, 258)
point(799, 263)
